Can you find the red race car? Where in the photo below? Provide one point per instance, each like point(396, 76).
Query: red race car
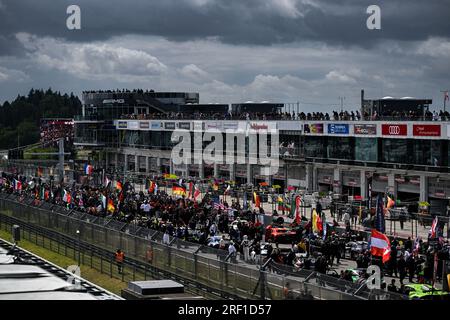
point(280, 235)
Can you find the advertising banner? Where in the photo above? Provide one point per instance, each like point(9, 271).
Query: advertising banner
point(338, 128)
point(155, 125)
point(169, 125)
point(369, 129)
point(133, 125)
point(184, 125)
point(394, 129)
point(427, 130)
point(122, 125)
point(213, 126)
point(144, 125)
point(313, 128)
point(230, 126)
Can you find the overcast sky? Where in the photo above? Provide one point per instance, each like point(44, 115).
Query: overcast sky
point(312, 51)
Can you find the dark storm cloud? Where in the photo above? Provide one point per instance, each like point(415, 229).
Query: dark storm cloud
point(260, 22)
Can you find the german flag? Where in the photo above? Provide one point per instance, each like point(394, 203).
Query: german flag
point(119, 185)
point(178, 189)
point(111, 207)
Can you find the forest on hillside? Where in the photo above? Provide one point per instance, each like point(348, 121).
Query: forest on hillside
point(20, 119)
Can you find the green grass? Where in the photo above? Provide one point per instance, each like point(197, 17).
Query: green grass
point(88, 273)
point(29, 153)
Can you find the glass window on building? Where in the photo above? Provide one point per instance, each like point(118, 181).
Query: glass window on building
point(314, 147)
point(421, 154)
point(131, 138)
point(366, 149)
point(436, 153)
point(340, 148)
point(395, 150)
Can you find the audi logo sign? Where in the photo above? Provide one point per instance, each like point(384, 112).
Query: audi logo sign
point(394, 129)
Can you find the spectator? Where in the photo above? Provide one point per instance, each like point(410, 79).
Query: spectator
point(119, 257)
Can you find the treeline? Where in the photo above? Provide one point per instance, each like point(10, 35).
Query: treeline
point(20, 119)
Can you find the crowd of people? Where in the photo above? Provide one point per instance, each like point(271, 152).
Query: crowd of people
point(53, 129)
point(299, 116)
point(239, 229)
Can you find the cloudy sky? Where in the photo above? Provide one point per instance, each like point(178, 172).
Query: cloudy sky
point(312, 51)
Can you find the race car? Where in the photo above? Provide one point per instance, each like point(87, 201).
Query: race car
point(280, 235)
point(425, 292)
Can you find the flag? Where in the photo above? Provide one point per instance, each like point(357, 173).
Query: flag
point(168, 176)
point(390, 202)
point(292, 207)
point(317, 222)
point(433, 227)
point(196, 193)
point(178, 189)
point(291, 188)
point(244, 201)
point(17, 185)
point(119, 185)
point(218, 206)
point(88, 169)
point(227, 189)
point(256, 200)
point(380, 224)
point(67, 198)
point(380, 246)
point(111, 207)
point(190, 193)
point(215, 186)
point(263, 184)
point(151, 188)
point(103, 201)
point(280, 203)
point(47, 195)
point(416, 245)
point(297, 209)
point(446, 97)
point(324, 225)
point(107, 181)
point(156, 189)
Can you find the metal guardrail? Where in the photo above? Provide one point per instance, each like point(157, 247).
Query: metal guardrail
point(99, 258)
point(192, 263)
